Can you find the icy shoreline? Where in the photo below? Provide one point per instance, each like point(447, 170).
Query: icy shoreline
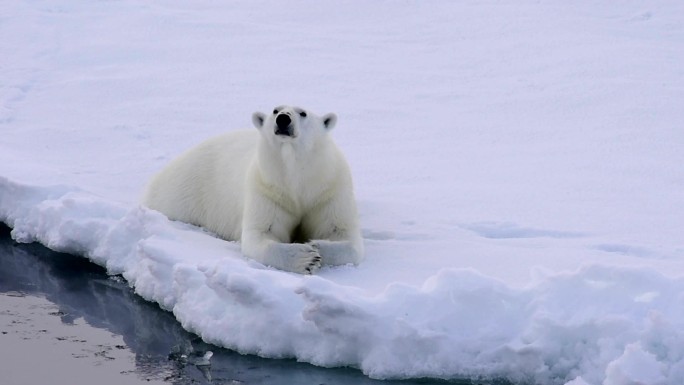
point(599, 322)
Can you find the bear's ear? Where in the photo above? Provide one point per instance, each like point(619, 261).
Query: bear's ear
point(258, 119)
point(329, 121)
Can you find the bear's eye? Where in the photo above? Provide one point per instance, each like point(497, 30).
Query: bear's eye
point(302, 114)
point(275, 111)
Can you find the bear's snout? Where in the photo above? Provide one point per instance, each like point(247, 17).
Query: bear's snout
point(284, 125)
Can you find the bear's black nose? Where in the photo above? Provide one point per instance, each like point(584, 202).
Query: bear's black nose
point(283, 121)
point(283, 126)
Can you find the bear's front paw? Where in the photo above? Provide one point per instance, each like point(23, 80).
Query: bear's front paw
point(307, 259)
point(335, 253)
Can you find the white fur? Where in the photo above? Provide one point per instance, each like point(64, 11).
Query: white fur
point(259, 187)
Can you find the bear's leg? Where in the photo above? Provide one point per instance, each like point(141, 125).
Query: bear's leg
point(266, 234)
point(295, 257)
point(333, 230)
point(337, 252)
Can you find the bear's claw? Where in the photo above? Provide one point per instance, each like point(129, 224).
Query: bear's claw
point(314, 265)
point(306, 259)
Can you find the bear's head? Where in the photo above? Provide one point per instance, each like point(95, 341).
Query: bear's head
point(288, 124)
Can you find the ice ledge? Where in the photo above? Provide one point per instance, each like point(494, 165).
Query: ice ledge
point(598, 325)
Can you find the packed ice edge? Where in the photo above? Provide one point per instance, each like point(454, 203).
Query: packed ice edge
point(581, 327)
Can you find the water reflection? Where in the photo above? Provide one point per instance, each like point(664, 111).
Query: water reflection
point(163, 350)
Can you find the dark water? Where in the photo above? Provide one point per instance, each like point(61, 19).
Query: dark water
point(162, 351)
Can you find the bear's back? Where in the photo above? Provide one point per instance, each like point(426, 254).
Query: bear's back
point(205, 185)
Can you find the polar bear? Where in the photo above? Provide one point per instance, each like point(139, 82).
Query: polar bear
point(284, 190)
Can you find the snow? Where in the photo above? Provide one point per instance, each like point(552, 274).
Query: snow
point(517, 168)
point(635, 366)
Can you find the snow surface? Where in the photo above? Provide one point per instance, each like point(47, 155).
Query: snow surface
point(518, 167)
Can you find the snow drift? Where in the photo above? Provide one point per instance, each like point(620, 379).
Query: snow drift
point(601, 324)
